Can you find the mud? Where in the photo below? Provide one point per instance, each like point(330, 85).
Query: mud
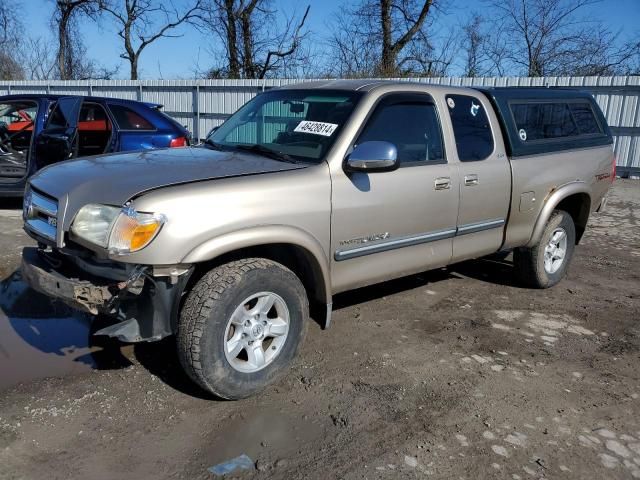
point(456, 373)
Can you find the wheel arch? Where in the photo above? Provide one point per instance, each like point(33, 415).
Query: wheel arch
point(575, 199)
point(292, 247)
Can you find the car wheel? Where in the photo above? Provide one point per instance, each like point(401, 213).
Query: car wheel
point(241, 326)
point(545, 264)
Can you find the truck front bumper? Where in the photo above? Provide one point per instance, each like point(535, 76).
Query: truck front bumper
point(39, 273)
point(144, 308)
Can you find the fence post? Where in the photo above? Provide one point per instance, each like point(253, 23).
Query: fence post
point(196, 111)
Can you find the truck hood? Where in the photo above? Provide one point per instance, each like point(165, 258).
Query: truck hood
point(114, 179)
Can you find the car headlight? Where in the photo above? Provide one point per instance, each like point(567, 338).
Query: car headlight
point(93, 223)
point(120, 230)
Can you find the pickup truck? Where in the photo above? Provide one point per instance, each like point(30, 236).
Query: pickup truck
point(307, 191)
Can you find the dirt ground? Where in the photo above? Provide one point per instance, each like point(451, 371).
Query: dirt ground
point(452, 374)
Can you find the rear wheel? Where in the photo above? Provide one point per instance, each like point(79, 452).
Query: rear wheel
point(545, 264)
point(241, 326)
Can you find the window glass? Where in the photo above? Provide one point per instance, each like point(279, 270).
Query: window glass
point(540, 121)
point(302, 124)
point(128, 119)
point(585, 118)
point(16, 131)
point(471, 129)
point(93, 117)
point(57, 118)
point(18, 114)
point(412, 126)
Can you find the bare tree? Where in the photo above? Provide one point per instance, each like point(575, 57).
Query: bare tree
point(349, 55)
point(10, 27)
point(142, 22)
point(257, 42)
point(472, 46)
point(553, 37)
point(70, 56)
point(393, 36)
point(39, 59)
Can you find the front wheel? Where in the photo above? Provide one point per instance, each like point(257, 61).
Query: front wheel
point(241, 326)
point(545, 264)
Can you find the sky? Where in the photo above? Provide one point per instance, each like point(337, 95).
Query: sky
point(179, 58)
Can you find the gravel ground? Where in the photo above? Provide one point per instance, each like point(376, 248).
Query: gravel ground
point(456, 373)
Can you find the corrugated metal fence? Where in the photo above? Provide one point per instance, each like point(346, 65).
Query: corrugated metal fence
point(203, 104)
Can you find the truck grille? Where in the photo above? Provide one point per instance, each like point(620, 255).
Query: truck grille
point(40, 214)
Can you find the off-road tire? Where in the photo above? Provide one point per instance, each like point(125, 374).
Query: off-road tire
point(206, 313)
point(529, 262)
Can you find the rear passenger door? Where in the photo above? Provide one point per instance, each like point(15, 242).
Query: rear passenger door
point(135, 131)
point(485, 176)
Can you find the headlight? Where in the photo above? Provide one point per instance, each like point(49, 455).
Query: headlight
point(120, 230)
point(93, 223)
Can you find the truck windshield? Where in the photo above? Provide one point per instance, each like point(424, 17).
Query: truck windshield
point(292, 124)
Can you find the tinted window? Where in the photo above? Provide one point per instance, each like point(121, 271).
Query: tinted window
point(585, 118)
point(128, 119)
point(62, 113)
point(540, 121)
point(471, 129)
point(412, 126)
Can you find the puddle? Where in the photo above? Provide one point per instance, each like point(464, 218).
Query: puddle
point(40, 338)
point(261, 433)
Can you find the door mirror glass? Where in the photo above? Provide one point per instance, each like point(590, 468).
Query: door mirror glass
point(373, 156)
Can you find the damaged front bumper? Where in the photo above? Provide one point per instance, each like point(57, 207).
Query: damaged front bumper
point(144, 307)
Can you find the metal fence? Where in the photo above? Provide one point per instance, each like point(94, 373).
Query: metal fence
point(204, 104)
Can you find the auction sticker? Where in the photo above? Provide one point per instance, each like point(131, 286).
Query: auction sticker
point(316, 128)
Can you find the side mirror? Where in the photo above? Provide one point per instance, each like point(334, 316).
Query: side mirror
point(375, 156)
point(212, 130)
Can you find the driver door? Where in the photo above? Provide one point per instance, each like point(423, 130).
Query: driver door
point(390, 224)
point(58, 140)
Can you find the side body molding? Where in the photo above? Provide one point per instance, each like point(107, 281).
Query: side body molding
point(552, 201)
point(267, 235)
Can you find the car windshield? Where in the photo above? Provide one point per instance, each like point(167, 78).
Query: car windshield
point(298, 125)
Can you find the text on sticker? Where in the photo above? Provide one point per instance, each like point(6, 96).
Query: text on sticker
point(316, 128)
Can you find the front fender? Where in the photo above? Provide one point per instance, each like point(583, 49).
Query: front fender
point(260, 236)
point(553, 200)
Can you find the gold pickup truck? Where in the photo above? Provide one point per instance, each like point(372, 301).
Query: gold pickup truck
point(307, 191)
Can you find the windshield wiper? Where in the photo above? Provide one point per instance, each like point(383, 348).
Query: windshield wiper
point(267, 152)
point(215, 145)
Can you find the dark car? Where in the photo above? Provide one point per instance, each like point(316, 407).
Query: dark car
point(38, 130)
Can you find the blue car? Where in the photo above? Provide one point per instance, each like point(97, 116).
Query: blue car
point(38, 130)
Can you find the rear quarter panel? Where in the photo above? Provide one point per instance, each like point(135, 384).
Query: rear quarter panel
point(536, 177)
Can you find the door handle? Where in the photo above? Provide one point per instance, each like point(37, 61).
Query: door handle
point(470, 180)
point(442, 183)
